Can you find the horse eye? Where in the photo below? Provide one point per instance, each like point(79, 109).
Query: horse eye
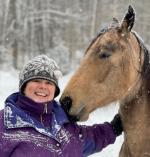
point(104, 55)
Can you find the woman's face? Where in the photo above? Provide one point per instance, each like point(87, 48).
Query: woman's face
point(40, 90)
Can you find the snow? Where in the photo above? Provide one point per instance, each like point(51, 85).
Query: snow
point(9, 84)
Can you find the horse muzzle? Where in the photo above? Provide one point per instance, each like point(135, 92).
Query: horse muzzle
point(66, 103)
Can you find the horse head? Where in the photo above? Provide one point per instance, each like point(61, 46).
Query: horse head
point(109, 71)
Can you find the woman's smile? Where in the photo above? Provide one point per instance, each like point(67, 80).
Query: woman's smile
point(41, 94)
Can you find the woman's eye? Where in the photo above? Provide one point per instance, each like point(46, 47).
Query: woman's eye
point(50, 83)
point(104, 55)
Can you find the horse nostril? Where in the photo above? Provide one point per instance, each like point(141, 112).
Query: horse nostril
point(66, 103)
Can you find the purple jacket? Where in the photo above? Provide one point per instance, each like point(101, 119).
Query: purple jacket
point(28, 129)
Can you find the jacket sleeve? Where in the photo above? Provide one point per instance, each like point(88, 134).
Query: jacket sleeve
point(5, 148)
point(96, 137)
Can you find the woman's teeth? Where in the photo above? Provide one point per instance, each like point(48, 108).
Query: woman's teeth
point(41, 94)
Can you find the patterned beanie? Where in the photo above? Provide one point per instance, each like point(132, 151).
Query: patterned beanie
point(40, 67)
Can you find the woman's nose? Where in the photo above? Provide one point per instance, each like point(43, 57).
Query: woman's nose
point(42, 85)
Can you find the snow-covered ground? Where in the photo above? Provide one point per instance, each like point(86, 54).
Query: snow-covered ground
point(9, 84)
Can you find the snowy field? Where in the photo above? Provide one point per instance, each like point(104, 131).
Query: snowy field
point(9, 84)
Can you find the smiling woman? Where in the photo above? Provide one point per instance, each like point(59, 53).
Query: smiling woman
point(32, 122)
point(41, 67)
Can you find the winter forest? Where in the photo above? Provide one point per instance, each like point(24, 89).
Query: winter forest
point(61, 29)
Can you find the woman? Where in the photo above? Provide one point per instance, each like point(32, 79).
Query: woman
point(33, 124)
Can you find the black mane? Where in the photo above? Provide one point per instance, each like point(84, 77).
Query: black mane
point(146, 65)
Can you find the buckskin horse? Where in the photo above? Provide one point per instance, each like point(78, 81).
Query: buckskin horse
point(115, 67)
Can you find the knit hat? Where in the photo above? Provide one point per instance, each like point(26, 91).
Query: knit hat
point(40, 67)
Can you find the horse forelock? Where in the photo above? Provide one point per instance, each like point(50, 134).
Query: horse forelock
point(102, 31)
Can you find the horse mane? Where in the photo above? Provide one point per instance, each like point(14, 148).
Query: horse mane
point(146, 65)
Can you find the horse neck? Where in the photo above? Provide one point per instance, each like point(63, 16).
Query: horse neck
point(135, 108)
point(138, 98)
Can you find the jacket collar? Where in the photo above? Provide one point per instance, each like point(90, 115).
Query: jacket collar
point(32, 107)
point(14, 117)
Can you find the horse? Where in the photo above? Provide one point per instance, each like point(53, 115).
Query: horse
point(115, 67)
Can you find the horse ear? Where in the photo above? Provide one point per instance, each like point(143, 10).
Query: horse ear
point(128, 21)
point(115, 22)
